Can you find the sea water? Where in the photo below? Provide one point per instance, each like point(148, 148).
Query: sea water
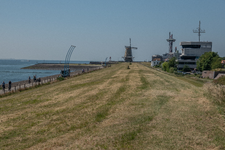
point(10, 70)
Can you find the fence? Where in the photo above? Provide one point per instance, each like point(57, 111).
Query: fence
point(16, 86)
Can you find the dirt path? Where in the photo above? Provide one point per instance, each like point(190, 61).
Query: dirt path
point(113, 108)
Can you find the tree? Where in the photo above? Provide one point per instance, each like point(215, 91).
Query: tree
point(171, 70)
point(216, 63)
point(165, 66)
point(186, 68)
point(208, 61)
point(172, 62)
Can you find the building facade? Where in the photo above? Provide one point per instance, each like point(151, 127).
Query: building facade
point(154, 63)
point(191, 51)
point(157, 57)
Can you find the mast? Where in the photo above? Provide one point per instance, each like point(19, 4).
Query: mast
point(199, 31)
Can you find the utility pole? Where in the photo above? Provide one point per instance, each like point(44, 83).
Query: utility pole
point(199, 31)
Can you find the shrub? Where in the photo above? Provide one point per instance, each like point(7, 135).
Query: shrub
point(165, 66)
point(208, 61)
point(186, 68)
point(60, 78)
point(217, 94)
point(220, 81)
point(172, 62)
point(171, 70)
point(157, 66)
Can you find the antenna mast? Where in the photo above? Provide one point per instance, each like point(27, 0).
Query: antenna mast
point(171, 40)
point(130, 42)
point(199, 31)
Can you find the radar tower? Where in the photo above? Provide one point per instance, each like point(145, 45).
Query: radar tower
point(171, 40)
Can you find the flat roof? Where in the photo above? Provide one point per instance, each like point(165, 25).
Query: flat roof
point(194, 43)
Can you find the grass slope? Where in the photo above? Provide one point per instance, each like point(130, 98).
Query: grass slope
point(113, 108)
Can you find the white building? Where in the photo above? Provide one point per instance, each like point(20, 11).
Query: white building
point(154, 63)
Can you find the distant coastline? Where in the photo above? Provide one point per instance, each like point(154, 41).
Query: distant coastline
point(57, 66)
point(11, 69)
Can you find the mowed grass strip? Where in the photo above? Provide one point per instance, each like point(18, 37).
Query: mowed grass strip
point(136, 108)
point(50, 119)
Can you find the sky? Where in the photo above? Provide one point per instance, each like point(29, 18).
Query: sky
point(45, 29)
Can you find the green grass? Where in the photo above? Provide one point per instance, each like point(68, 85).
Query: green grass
point(60, 78)
point(102, 111)
point(113, 108)
point(144, 81)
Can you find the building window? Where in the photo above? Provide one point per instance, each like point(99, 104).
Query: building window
point(191, 46)
point(187, 63)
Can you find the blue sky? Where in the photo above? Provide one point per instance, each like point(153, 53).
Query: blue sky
point(45, 29)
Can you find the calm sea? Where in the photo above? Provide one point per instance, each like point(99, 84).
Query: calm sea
point(10, 70)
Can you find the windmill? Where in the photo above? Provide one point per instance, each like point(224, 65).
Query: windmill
point(128, 57)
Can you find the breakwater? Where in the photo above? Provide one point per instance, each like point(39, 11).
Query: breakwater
point(55, 66)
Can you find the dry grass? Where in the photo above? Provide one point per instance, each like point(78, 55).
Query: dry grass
point(216, 94)
point(113, 108)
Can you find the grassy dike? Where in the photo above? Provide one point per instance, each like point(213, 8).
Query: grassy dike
point(113, 108)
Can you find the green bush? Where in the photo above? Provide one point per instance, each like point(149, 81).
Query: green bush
point(172, 62)
point(186, 68)
point(60, 78)
point(157, 66)
point(220, 81)
point(209, 61)
point(171, 70)
point(165, 66)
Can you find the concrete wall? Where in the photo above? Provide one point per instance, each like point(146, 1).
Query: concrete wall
point(195, 52)
point(208, 74)
point(212, 74)
point(220, 75)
